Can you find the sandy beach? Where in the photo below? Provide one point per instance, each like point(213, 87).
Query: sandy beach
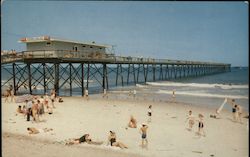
point(167, 133)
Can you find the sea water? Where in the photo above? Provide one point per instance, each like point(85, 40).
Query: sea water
point(210, 90)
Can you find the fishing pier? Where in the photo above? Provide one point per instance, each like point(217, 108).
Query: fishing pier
point(54, 63)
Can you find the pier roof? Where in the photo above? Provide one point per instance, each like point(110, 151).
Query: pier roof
point(48, 38)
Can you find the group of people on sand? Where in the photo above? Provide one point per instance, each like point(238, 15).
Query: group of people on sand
point(38, 106)
point(236, 111)
point(112, 139)
point(191, 121)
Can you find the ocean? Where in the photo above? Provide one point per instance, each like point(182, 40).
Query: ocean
point(209, 90)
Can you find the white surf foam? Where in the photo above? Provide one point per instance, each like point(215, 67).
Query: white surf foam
point(198, 85)
point(140, 86)
point(200, 94)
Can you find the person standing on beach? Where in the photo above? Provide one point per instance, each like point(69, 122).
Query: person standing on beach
point(143, 131)
point(191, 120)
point(173, 96)
point(53, 98)
point(105, 93)
point(12, 96)
point(28, 106)
point(35, 111)
point(46, 101)
point(149, 113)
point(134, 93)
point(234, 110)
point(239, 111)
point(201, 125)
point(87, 94)
point(6, 95)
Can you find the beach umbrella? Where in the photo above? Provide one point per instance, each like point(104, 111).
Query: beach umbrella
point(22, 98)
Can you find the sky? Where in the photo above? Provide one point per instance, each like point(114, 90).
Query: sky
point(195, 31)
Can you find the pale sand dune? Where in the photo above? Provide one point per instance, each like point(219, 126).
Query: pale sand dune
point(167, 134)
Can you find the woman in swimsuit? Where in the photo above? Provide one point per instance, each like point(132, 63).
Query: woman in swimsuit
point(113, 142)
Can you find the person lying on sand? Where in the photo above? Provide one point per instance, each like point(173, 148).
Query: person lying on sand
point(132, 122)
point(85, 138)
point(32, 131)
point(113, 142)
point(36, 131)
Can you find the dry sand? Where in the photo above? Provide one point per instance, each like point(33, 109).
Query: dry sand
point(167, 133)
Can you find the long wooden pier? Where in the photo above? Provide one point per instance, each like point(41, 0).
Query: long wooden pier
point(58, 69)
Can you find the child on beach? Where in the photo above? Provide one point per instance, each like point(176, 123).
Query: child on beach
point(149, 113)
point(143, 131)
point(112, 141)
point(190, 119)
point(201, 125)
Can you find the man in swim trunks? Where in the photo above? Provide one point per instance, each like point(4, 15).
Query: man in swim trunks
point(143, 131)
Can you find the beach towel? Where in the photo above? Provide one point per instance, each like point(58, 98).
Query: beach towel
point(22, 98)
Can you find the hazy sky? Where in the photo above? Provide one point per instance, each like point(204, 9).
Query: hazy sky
point(203, 31)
